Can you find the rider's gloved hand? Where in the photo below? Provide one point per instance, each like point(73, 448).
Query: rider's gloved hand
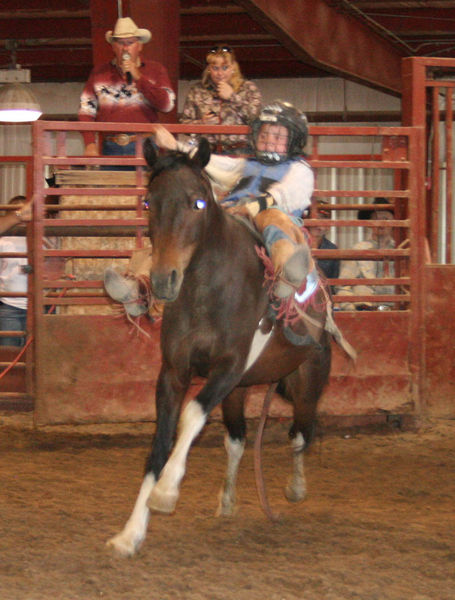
point(260, 203)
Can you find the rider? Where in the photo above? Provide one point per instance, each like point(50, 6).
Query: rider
point(273, 188)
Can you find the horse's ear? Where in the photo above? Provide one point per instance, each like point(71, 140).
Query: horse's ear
point(150, 151)
point(202, 155)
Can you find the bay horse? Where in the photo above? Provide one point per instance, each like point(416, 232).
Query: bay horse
point(216, 324)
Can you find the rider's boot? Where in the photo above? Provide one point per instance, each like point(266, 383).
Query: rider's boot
point(126, 291)
point(292, 263)
point(288, 250)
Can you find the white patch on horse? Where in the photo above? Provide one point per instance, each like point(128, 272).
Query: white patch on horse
point(128, 541)
point(165, 494)
point(296, 489)
point(258, 344)
point(234, 450)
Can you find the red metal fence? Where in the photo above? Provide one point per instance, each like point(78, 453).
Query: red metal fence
point(399, 155)
point(428, 88)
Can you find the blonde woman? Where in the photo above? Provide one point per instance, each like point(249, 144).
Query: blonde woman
point(223, 97)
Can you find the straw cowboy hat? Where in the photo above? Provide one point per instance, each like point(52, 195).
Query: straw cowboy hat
point(126, 28)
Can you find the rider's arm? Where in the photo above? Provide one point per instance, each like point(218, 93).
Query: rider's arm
point(293, 193)
point(223, 170)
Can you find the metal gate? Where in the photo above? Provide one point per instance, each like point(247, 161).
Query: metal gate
point(85, 369)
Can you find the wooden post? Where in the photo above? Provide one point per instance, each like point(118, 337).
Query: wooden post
point(162, 18)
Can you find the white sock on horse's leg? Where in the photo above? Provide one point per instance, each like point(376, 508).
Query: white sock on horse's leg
point(129, 540)
point(296, 489)
point(234, 450)
point(165, 494)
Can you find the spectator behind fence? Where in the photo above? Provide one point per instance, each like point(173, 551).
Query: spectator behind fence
point(223, 97)
point(13, 278)
point(14, 217)
point(378, 238)
point(128, 89)
point(329, 266)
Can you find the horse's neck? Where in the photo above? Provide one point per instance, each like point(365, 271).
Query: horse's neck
point(228, 242)
point(250, 227)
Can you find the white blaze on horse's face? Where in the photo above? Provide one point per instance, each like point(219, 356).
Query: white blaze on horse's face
point(177, 217)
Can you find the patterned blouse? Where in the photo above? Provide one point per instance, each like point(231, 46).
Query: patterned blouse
point(240, 109)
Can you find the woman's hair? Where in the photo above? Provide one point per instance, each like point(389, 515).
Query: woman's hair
point(227, 54)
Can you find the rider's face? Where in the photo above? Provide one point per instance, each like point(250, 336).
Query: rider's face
point(272, 138)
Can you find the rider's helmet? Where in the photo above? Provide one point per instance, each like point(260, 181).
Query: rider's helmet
point(281, 113)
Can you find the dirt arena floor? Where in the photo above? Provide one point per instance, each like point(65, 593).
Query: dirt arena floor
point(378, 524)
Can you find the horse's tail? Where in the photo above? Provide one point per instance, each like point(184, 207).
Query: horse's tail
point(333, 329)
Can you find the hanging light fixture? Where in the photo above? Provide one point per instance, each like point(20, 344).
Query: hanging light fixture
point(17, 102)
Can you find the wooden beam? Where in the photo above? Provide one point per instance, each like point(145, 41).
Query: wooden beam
point(332, 41)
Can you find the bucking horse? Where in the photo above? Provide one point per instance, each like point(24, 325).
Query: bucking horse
point(220, 324)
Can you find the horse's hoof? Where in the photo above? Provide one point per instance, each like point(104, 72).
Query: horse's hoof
point(294, 495)
point(162, 502)
point(122, 545)
point(226, 509)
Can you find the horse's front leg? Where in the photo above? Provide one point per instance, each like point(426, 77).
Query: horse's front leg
point(129, 540)
point(234, 443)
point(169, 395)
point(165, 493)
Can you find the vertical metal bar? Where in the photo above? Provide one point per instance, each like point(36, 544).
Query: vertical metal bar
point(435, 174)
point(37, 257)
point(29, 353)
point(61, 143)
point(417, 260)
point(139, 200)
point(449, 173)
point(413, 104)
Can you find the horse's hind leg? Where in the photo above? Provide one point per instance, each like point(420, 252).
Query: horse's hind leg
point(234, 443)
point(304, 388)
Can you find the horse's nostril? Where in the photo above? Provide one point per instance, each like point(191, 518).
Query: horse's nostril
point(173, 277)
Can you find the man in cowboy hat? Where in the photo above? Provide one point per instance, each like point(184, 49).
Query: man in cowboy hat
point(128, 89)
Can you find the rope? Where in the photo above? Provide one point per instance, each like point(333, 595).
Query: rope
point(258, 471)
point(27, 343)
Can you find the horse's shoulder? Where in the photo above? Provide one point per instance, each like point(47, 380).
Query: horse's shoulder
point(247, 225)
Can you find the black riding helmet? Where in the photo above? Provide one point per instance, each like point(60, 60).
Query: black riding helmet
point(282, 113)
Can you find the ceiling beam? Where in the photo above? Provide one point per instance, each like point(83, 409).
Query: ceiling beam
point(397, 5)
point(335, 42)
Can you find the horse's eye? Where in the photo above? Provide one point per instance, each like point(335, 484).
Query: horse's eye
point(199, 204)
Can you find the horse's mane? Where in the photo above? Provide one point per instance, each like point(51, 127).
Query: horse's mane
point(172, 160)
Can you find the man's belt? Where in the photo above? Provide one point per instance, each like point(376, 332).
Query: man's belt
point(121, 139)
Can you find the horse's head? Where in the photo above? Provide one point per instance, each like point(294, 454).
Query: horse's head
point(180, 200)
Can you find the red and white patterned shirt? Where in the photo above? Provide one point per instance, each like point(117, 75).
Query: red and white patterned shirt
point(107, 97)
